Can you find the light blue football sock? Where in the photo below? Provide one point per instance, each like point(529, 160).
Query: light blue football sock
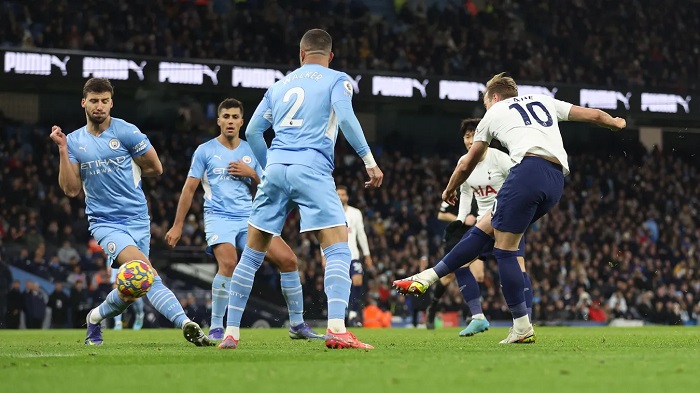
point(113, 306)
point(242, 284)
point(219, 300)
point(337, 279)
point(137, 306)
point(291, 289)
point(164, 300)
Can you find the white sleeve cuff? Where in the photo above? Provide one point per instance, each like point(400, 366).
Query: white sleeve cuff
point(368, 159)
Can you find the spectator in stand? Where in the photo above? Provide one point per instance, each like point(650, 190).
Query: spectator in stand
point(80, 304)
point(15, 305)
point(59, 303)
point(34, 305)
point(5, 285)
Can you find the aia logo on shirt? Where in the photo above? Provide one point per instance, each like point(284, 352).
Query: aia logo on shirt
point(484, 191)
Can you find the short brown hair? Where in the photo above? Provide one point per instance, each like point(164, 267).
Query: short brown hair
point(502, 85)
point(341, 187)
point(468, 125)
point(228, 104)
point(316, 42)
point(98, 85)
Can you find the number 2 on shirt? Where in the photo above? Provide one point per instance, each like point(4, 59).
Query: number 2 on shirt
point(289, 120)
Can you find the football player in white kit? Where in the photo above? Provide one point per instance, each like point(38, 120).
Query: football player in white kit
point(356, 236)
point(528, 127)
point(483, 185)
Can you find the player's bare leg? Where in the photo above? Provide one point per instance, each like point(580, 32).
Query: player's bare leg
point(282, 256)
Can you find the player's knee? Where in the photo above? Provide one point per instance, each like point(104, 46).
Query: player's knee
point(127, 299)
point(288, 263)
point(479, 276)
point(226, 266)
point(356, 280)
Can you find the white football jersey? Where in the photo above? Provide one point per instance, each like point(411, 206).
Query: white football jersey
point(356, 233)
point(527, 124)
point(484, 183)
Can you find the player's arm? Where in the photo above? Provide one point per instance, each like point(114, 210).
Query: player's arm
point(341, 99)
point(465, 203)
point(362, 240)
point(591, 115)
point(241, 169)
point(149, 163)
point(183, 206)
point(445, 215)
point(68, 170)
point(143, 153)
point(463, 170)
point(259, 123)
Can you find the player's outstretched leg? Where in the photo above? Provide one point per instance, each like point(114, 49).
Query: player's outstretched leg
point(164, 300)
point(140, 314)
point(241, 285)
point(337, 284)
point(220, 287)
point(292, 291)
point(110, 308)
point(468, 249)
point(470, 292)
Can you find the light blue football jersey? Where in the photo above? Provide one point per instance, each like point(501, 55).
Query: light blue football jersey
point(299, 106)
point(111, 179)
point(224, 195)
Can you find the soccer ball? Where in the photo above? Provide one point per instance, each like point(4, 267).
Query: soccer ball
point(134, 279)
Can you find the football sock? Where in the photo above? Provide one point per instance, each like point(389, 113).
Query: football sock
point(468, 249)
point(469, 289)
point(291, 289)
point(117, 319)
point(110, 308)
point(439, 291)
point(429, 276)
point(219, 300)
point(166, 303)
point(355, 297)
point(528, 294)
point(241, 285)
point(337, 284)
point(137, 306)
point(512, 281)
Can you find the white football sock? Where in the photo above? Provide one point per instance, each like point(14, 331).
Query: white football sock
point(233, 331)
point(337, 325)
point(520, 325)
point(478, 316)
point(429, 276)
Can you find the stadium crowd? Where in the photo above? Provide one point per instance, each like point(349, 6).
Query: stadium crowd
point(621, 244)
point(638, 43)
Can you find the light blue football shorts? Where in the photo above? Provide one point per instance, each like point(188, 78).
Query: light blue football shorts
point(115, 237)
point(220, 229)
point(285, 187)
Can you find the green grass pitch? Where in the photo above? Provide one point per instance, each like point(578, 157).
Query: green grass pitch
point(652, 359)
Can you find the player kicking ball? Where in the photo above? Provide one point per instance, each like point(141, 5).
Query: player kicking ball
point(528, 127)
point(107, 158)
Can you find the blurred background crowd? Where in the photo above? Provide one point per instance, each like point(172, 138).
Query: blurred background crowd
point(636, 43)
